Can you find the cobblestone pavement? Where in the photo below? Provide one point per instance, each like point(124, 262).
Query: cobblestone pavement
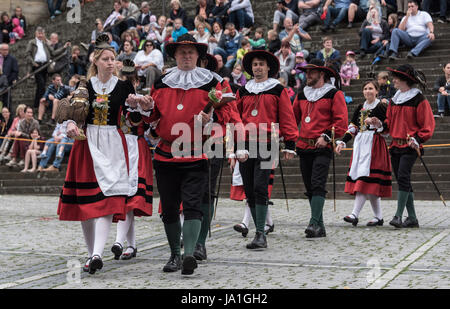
point(39, 251)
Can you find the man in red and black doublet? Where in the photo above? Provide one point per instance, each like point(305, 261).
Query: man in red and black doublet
point(263, 101)
point(318, 108)
point(179, 97)
point(410, 122)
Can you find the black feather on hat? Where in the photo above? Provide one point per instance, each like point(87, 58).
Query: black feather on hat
point(102, 41)
point(128, 67)
point(186, 40)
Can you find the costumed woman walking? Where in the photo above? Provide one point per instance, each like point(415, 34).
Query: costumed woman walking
point(369, 177)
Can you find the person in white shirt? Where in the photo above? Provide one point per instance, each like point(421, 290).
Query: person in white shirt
point(201, 36)
point(416, 30)
point(149, 63)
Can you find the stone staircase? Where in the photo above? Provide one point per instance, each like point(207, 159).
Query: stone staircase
point(431, 62)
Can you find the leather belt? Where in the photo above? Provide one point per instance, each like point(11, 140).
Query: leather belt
point(400, 141)
point(310, 141)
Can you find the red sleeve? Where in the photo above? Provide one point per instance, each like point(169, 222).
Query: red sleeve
point(340, 115)
point(297, 110)
point(425, 120)
point(286, 118)
point(386, 125)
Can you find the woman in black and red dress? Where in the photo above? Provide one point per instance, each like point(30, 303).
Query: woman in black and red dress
point(97, 182)
point(369, 176)
point(140, 199)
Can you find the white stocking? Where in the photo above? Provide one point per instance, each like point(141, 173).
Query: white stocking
point(360, 199)
point(268, 217)
point(247, 215)
point(131, 236)
point(88, 227)
point(181, 219)
point(123, 227)
point(375, 201)
point(102, 228)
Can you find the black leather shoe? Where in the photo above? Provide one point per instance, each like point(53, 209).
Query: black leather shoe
point(174, 264)
point(128, 256)
point(397, 222)
point(375, 223)
point(96, 263)
point(410, 222)
point(314, 231)
point(188, 265)
point(270, 229)
point(200, 252)
point(353, 221)
point(86, 265)
point(240, 229)
point(117, 249)
point(259, 242)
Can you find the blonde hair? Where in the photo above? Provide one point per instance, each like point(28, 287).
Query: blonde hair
point(93, 71)
point(20, 107)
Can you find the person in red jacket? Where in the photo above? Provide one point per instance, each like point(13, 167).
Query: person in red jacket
point(178, 102)
point(410, 122)
point(262, 102)
point(319, 108)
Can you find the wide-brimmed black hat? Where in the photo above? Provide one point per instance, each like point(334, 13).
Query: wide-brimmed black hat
point(212, 62)
point(102, 42)
point(272, 61)
point(128, 67)
point(318, 64)
point(186, 40)
point(405, 71)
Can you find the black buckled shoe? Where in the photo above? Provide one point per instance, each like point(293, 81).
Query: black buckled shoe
point(270, 229)
point(354, 221)
point(259, 242)
point(86, 265)
point(117, 249)
point(188, 265)
point(379, 222)
point(200, 252)
point(315, 231)
point(410, 223)
point(128, 256)
point(397, 222)
point(96, 263)
point(240, 229)
point(174, 264)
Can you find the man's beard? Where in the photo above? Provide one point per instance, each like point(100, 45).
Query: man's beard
point(311, 82)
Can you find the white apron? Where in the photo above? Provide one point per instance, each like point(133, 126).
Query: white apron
point(133, 162)
point(362, 154)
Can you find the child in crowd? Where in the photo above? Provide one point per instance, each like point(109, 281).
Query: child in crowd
point(17, 33)
point(349, 69)
point(34, 149)
point(300, 76)
point(387, 90)
point(290, 91)
point(178, 29)
point(274, 42)
point(245, 48)
point(259, 43)
point(238, 77)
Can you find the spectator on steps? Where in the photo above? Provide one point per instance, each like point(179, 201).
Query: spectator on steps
point(357, 11)
point(287, 60)
point(17, 32)
point(54, 93)
point(77, 62)
point(442, 87)
point(416, 30)
point(18, 14)
point(294, 35)
point(6, 27)
point(373, 32)
point(442, 10)
point(338, 11)
point(220, 13)
point(149, 63)
point(387, 90)
point(241, 15)
point(349, 69)
point(214, 39)
point(328, 53)
point(53, 9)
point(26, 126)
point(58, 144)
point(112, 21)
point(259, 43)
point(6, 122)
point(34, 149)
point(229, 45)
point(10, 69)
point(223, 71)
point(178, 29)
point(392, 24)
point(285, 9)
point(310, 14)
point(388, 7)
point(274, 42)
point(178, 12)
point(6, 146)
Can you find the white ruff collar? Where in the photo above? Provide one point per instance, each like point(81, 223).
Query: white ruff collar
point(315, 94)
point(186, 80)
point(402, 97)
point(98, 86)
point(254, 87)
point(371, 106)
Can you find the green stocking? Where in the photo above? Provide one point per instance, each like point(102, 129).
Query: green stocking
point(207, 214)
point(173, 233)
point(401, 203)
point(191, 229)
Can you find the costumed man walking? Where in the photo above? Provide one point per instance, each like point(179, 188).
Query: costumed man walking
point(262, 102)
point(179, 98)
point(410, 122)
point(318, 109)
